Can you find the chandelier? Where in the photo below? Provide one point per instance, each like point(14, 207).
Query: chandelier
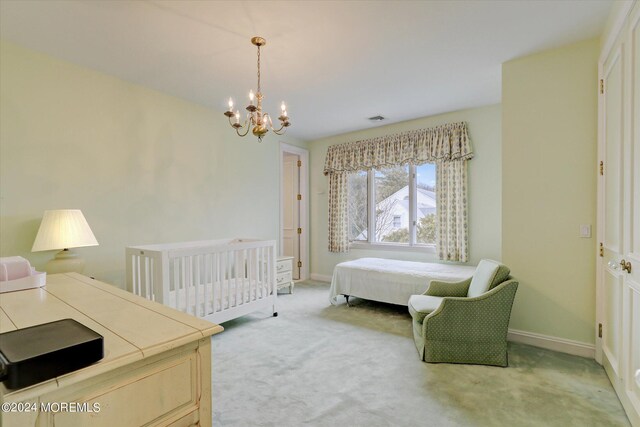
point(257, 120)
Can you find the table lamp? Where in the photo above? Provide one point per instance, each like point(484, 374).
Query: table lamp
point(64, 229)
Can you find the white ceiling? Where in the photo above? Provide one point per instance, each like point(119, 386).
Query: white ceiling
point(336, 63)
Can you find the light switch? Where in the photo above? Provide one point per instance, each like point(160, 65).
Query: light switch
point(585, 231)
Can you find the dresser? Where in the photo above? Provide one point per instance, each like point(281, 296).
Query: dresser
point(284, 271)
point(156, 368)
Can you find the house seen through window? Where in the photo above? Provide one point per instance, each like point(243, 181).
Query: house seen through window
point(394, 205)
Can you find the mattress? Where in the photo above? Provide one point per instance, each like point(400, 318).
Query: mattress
point(391, 281)
point(218, 298)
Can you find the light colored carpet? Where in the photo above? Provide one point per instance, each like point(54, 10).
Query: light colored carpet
point(322, 365)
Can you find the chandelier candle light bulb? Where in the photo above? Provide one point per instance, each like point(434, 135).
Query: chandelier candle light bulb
point(257, 121)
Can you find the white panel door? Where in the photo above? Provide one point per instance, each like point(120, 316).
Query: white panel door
point(619, 216)
point(291, 210)
point(611, 186)
point(631, 180)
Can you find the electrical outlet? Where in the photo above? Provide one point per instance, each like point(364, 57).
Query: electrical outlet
point(585, 231)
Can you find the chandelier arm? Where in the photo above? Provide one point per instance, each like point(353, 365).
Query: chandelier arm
point(278, 131)
point(243, 134)
point(247, 123)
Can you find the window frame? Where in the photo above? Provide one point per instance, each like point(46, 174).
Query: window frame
point(413, 245)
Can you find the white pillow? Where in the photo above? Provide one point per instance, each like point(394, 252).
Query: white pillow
point(483, 277)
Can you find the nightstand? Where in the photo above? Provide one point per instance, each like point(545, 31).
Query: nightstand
point(284, 267)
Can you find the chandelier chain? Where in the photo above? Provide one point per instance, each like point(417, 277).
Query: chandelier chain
point(258, 69)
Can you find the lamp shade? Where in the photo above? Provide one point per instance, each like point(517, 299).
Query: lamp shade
point(63, 229)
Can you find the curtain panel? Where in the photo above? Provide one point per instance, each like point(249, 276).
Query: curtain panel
point(448, 146)
point(452, 239)
point(338, 212)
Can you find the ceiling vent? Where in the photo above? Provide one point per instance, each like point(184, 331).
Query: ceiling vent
point(376, 118)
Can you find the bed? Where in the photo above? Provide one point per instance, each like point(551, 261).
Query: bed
point(390, 281)
point(217, 280)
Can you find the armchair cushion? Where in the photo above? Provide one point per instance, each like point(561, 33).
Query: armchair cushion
point(488, 274)
point(422, 305)
point(448, 289)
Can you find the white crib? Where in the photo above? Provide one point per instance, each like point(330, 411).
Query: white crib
point(217, 280)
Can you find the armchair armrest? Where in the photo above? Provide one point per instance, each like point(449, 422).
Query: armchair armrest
point(448, 289)
point(484, 318)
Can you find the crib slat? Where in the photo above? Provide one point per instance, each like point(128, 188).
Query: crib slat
point(263, 270)
point(198, 284)
point(150, 272)
point(269, 283)
point(176, 283)
point(134, 275)
point(231, 281)
point(240, 276)
point(219, 279)
point(236, 274)
point(143, 277)
point(207, 280)
point(187, 284)
point(147, 292)
point(246, 286)
point(261, 266)
point(229, 266)
point(253, 283)
point(131, 272)
point(231, 278)
point(258, 268)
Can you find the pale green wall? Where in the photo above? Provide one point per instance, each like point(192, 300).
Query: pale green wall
point(549, 124)
point(484, 189)
point(143, 166)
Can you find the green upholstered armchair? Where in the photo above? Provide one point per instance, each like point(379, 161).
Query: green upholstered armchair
point(465, 322)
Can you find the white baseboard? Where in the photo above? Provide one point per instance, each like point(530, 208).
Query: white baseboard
point(562, 345)
point(320, 277)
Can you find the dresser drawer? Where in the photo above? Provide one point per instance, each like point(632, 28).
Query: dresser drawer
point(284, 265)
point(152, 394)
point(283, 279)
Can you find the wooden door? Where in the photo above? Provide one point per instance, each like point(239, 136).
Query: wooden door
point(618, 293)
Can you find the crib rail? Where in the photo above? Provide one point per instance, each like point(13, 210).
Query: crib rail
point(219, 279)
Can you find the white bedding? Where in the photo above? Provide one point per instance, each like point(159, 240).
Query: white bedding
point(243, 295)
point(391, 281)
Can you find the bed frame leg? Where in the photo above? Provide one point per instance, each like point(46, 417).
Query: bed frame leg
point(347, 298)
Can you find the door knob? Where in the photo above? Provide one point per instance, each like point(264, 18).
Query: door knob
point(626, 266)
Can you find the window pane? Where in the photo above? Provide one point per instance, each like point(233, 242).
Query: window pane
point(392, 204)
point(426, 204)
point(358, 206)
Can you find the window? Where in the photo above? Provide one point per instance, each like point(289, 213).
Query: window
point(403, 211)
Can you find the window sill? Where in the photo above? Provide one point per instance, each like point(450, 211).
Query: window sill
point(430, 249)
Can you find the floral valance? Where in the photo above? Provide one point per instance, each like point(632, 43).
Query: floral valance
point(446, 142)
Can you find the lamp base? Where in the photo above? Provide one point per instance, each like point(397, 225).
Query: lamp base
point(65, 261)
